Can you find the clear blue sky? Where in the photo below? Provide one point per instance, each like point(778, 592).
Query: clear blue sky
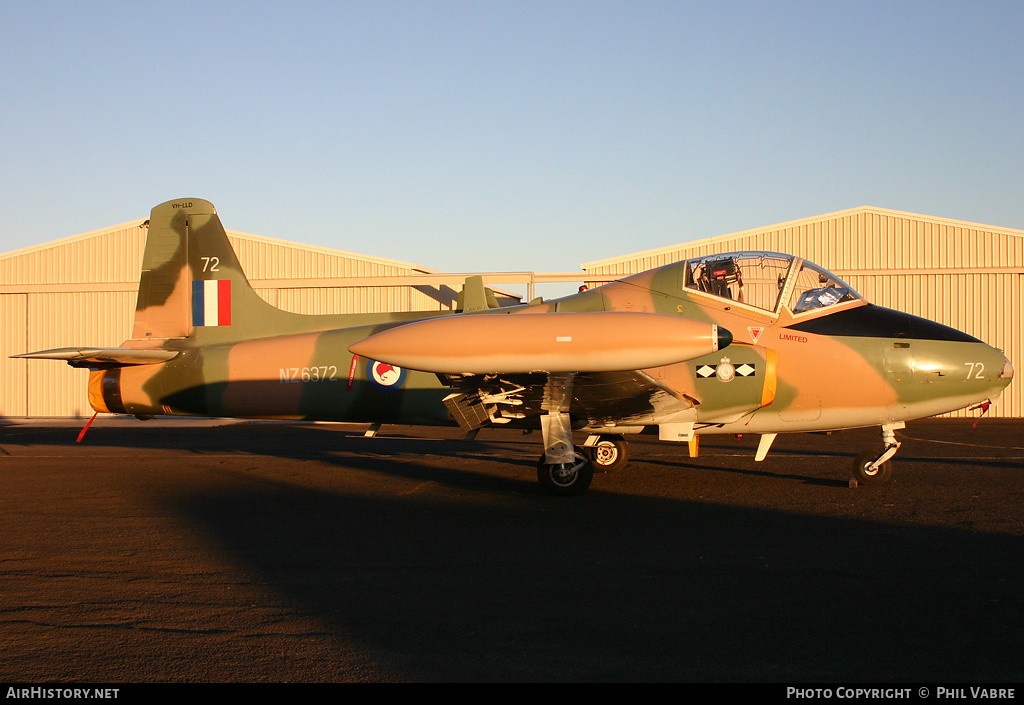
point(490, 135)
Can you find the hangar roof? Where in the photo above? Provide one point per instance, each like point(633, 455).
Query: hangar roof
point(114, 254)
point(860, 238)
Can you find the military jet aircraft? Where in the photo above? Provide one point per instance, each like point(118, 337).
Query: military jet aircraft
point(743, 342)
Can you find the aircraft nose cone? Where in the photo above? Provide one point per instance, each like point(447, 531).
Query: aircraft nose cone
point(1007, 372)
point(998, 371)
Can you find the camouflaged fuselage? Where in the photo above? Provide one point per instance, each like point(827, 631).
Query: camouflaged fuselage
point(843, 364)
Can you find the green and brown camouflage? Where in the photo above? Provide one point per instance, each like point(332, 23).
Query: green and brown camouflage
point(749, 342)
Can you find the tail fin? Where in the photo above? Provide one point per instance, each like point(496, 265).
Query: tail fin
point(192, 283)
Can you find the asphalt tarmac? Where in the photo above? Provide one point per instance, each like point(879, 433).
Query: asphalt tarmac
point(216, 551)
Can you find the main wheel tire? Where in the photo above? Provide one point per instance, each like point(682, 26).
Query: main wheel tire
point(609, 454)
point(878, 476)
point(566, 479)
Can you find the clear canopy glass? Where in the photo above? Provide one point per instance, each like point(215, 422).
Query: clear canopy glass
point(767, 280)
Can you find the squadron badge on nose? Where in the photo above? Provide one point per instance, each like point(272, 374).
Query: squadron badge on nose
point(725, 371)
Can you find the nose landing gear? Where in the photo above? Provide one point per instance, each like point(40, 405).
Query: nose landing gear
point(873, 468)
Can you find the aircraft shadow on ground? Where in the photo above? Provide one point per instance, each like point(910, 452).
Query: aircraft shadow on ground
point(620, 587)
point(718, 453)
point(506, 583)
point(648, 589)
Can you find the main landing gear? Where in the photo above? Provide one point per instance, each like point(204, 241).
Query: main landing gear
point(566, 479)
point(872, 467)
point(563, 469)
point(607, 453)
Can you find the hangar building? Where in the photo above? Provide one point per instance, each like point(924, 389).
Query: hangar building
point(965, 275)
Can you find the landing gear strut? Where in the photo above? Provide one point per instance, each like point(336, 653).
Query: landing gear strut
point(563, 469)
point(873, 468)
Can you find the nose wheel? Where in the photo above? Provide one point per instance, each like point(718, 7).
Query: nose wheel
point(869, 472)
point(874, 468)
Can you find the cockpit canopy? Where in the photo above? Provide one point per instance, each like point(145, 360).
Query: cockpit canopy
point(767, 280)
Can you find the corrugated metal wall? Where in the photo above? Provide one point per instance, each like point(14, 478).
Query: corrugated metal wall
point(965, 275)
point(91, 318)
point(13, 340)
point(81, 291)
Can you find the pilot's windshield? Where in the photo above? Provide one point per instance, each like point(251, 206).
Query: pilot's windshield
point(760, 279)
point(818, 288)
